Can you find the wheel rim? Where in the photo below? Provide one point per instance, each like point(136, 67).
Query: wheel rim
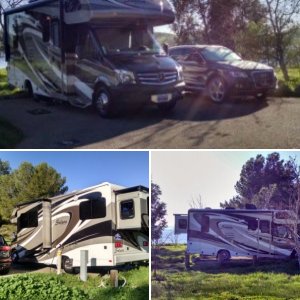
point(217, 90)
point(224, 255)
point(102, 102)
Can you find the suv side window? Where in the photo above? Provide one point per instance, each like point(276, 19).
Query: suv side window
point(180, 53)
point(195, 57)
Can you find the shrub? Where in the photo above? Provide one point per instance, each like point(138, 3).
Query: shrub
point(283, 90)
point(297, 91)
point(37, 287)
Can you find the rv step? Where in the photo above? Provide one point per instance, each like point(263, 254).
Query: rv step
point(78, 102)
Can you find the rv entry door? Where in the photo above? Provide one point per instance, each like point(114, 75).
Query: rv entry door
point(132, 209)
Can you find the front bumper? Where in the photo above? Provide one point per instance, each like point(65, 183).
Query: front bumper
point(5, 264)
point(246, 87)
point(141, 94)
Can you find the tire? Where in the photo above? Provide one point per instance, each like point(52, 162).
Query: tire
point(223, 257)
point(261, 97)
point(28, 89)
point(217, 89)
point(4, 271)
point(67, 265)
point(103, 102)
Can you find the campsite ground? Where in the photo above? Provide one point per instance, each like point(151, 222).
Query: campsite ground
point(239, 279)
point(195, 123)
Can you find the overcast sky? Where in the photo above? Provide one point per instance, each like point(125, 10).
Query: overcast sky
point(185, 175)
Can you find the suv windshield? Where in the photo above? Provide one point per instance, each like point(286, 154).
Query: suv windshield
point(219, 54)
point(128, 40)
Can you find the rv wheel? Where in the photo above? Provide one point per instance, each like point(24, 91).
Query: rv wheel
point(67, 265)
point(223, 256)
point(28, 88)
point(103, 102)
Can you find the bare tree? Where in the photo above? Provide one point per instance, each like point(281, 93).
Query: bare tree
point(196, 202)
point(6, 4)
point(203, 10)
point(281, 14)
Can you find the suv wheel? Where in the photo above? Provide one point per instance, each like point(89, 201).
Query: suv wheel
point(4, 271)
point(261, 97)
point(217, 90)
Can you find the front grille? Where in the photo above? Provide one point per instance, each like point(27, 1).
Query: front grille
point(158, 78)
point(263, 79)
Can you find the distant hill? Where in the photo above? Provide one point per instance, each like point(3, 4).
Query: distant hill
point(164, 37)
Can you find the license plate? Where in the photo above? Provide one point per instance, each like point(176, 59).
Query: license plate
point(161, 98)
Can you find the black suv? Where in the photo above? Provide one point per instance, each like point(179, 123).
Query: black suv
point(5, 259)
point(220, 73)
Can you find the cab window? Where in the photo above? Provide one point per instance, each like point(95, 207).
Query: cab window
point(127, 209)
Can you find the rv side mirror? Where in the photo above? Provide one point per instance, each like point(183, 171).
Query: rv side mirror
point(166, 48)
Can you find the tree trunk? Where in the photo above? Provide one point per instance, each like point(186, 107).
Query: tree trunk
point(281, 59)
point(284, 70)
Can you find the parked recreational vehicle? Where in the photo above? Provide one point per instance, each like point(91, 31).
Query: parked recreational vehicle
point(100, 52)
point(109, 221)
point(225, 233)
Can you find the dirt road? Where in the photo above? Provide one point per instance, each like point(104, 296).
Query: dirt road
point(195, 123)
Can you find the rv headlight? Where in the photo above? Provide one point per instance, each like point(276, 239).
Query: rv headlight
point(180, 73)
point(125, 77)
point(238, 74)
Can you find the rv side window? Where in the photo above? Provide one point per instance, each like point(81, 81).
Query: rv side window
point(89, 49)
point(281, 231)
point(127, 209)
point(252, 224)
point(55, 33)
point(182, 223)
point(94, 208)
point(28, 219)
point(264, 226)
point(203, 220)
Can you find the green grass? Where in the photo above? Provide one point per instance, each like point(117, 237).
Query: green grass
point(50, 286)
point(294, 83)
point(237, 280)
point(5, 89)
point(10, 136)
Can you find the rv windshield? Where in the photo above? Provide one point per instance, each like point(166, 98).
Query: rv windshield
point(128, 41)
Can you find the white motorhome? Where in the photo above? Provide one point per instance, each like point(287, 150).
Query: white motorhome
point(92, 52)
point(225, 233)
point(110, 221)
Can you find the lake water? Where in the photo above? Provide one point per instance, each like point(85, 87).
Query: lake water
point(168, 237)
